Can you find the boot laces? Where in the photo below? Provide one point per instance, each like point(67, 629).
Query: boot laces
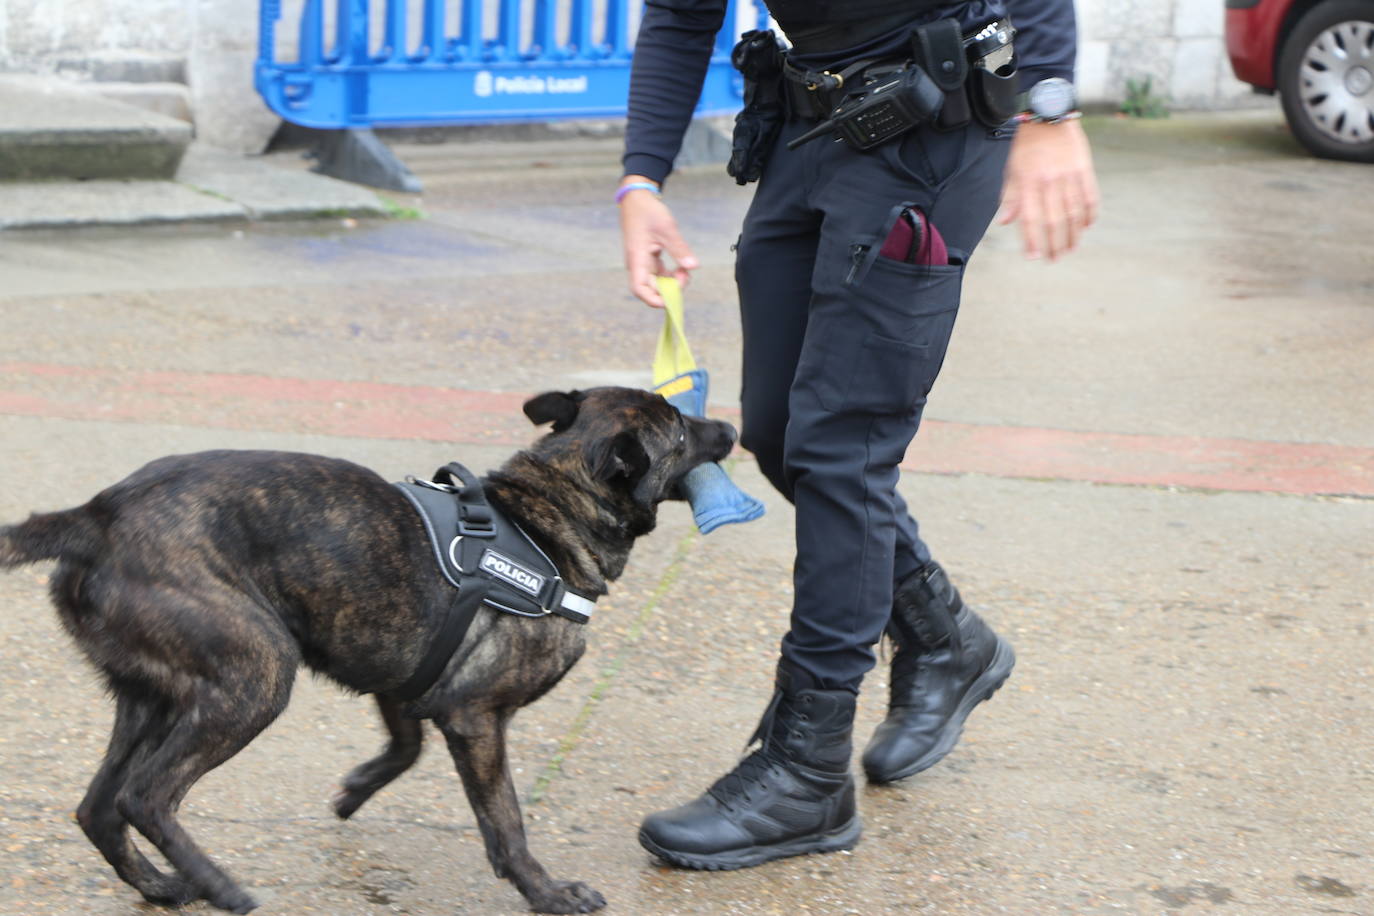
point(750, 772)
point(906, 672)
point(747, 776)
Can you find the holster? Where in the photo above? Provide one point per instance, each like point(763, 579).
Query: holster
point(993, 96)
point(758, 57)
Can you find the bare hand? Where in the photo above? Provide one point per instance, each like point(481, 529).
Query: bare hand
point(1050, 187)
point(648, 230)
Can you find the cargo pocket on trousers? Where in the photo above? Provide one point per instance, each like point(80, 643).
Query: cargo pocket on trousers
point(909, 311)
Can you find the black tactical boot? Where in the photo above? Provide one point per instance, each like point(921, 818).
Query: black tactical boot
point(792, 795)
point(947, 662)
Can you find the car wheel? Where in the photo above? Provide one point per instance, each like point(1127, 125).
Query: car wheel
point(1326, 80)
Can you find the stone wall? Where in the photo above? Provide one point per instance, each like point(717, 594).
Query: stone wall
point(208, 45)
point(44, 36)
point(1180, 43)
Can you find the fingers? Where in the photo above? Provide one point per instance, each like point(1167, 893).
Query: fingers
point(642, 265)
point(1053, 213)
point(677, 248)
point(1068, 219)
point(1032, 225)
point(681, 254)
point(643, 270)
point(1078, 193)
point(1091, 200)
point(1079, 190)
point(1055, 220)
point(649, 231)
point(1010, 205)
point(1050, 188)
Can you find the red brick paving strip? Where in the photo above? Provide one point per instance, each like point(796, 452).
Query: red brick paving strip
point(386, 411)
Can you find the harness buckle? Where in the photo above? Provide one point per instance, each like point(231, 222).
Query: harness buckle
point(555, 592)
point(478, 524)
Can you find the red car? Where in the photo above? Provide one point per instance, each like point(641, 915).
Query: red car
point(1319, 56)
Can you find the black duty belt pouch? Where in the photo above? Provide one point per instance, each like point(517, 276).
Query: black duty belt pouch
point(758, 58)
point(884, 107)
point(939, 48)
point(993, 96)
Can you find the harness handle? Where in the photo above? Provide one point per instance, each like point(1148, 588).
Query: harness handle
point(474, 514)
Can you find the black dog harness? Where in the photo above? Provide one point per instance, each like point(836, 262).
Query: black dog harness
point(488, 559)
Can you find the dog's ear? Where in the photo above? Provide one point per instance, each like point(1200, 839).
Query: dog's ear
point(556, 407)
point(622, 456)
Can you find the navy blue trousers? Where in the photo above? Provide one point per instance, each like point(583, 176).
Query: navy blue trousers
point(841, 348)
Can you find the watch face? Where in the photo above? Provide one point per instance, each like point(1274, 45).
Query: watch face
point(1051, 98)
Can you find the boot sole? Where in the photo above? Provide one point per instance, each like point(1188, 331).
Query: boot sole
point(983, 687)
point(844, 837)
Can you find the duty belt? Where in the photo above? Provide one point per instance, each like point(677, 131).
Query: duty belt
point(814, 94)
point(940, 48)
point(488, 558)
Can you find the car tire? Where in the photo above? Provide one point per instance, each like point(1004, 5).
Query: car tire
point(1326, 80)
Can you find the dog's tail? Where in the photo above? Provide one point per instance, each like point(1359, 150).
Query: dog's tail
point(48, 537)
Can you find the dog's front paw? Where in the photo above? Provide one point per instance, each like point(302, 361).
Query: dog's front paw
point(233, 899)
point(568, 897)
point(346, 801)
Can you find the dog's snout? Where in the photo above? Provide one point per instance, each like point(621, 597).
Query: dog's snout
point(712, 439)
point(724, 436)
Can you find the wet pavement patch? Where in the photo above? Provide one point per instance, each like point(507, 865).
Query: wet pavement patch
point(1324, 885)
point(1197, 892)
point(382, 885)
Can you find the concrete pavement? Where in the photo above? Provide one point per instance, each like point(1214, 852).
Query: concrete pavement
point(1150, 466)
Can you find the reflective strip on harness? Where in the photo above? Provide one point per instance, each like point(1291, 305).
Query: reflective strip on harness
point(578, 605)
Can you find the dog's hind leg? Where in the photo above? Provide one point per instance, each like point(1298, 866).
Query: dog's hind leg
point(477, 741)
point(139, 727)
point(218, 720)
point(400, 753)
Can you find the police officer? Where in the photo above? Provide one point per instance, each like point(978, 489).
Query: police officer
point(849, 270)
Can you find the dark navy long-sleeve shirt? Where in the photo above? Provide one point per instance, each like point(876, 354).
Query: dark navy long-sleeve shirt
point(676, 38)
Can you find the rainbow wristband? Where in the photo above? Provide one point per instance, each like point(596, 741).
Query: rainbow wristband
point(1028, 117)
point(636, 186)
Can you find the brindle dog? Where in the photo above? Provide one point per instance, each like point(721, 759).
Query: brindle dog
point(198, 585)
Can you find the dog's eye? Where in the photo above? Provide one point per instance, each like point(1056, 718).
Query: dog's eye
point(681, 438)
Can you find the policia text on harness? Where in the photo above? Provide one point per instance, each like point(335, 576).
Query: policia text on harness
point(946, 79)
point(488, 559)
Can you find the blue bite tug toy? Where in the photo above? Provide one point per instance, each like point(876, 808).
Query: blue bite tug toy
point(714, 497)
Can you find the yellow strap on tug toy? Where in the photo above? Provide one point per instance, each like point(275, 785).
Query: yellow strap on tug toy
point(715, 499)
point(673, 357)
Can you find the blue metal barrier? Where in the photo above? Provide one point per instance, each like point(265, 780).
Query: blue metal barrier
point(451, 71)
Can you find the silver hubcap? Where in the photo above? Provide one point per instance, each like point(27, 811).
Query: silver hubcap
point(1336, 82)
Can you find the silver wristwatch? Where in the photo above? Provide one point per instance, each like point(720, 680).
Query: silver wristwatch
point(1050, 101)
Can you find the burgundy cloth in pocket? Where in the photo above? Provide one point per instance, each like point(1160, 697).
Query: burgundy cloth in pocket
point(915, 241)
